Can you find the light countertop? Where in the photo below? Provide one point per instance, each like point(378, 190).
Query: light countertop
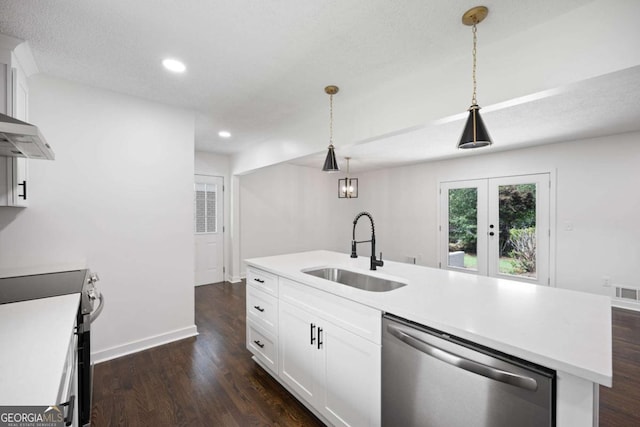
point(561, 329)
point(35, 337)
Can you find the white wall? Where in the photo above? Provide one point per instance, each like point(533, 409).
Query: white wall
point(212, 164)
point(286, 208)
point(119, 198)
point(596, 192)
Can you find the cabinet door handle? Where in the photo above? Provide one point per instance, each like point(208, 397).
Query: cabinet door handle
point(258, 343)
point(313, 338)
point(319, 338)
point(257, 307)
point(24, 190)
point(259, 280)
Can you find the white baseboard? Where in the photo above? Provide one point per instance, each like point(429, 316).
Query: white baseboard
point(143, 344)
point(235, 279)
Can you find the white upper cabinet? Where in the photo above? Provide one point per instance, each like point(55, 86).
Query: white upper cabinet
point(14, 102)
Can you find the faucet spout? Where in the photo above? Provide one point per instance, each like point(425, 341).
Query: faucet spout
point(374, 262)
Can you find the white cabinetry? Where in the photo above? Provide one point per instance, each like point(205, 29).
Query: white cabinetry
point(334, 370)
point(330, 354)
point(323, 348)
point(262, 318)
point(14, 101)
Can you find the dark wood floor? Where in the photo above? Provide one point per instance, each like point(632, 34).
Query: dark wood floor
point(211, 380)
point(205, 381)
point(620, 405)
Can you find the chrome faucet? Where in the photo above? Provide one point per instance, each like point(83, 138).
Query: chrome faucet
point(374, 262)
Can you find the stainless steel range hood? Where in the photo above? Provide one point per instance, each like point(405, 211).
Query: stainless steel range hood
point(20, 139)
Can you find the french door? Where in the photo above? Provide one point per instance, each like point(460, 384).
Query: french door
point(498, 227)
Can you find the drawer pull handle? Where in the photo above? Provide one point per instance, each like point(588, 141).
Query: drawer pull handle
point(258, 343)
point(257, 307)
point(259, 280)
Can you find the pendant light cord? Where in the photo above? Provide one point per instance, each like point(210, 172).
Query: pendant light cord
point(473, 52)
point(331, 120)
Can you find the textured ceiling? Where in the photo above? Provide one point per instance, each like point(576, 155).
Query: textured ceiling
point(600, 106)
point(253, 64)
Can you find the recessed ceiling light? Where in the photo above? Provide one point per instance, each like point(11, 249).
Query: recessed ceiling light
point(174, 65)
point(224, 134)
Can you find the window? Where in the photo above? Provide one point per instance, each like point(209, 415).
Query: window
point(206, 202)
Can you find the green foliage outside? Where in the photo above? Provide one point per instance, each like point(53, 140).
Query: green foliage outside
point(517, 212)
point(523, 242)
point(463, 214)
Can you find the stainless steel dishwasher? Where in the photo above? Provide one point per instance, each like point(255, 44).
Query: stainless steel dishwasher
point(430, 378)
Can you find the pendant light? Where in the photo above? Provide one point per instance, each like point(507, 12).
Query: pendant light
point(475, 134)
point(348, 187)
point(330, 164)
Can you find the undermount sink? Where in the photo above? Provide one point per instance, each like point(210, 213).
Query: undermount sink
point(355, 280)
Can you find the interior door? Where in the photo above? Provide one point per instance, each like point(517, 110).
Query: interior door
point(499, 227)
point(209, 228)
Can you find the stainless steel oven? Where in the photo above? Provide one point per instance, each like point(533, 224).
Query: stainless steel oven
point(87, 313)
point(29, 287)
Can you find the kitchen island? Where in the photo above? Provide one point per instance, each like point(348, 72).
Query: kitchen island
point(567, 331)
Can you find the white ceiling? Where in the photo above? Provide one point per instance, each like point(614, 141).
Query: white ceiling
point(600, 106)
point(255, 64)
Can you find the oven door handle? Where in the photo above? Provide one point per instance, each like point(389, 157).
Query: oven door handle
point(461, 362)
point(70, 404)
point(96, 312)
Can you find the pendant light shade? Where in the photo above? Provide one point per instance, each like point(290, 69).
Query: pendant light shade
point(474, 134)
point(330, 163)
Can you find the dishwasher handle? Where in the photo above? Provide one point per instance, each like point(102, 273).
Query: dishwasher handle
point(500, 375)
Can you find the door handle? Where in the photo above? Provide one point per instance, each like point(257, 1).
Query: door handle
point(313, 338)
point(319, 338)
point(478, 368)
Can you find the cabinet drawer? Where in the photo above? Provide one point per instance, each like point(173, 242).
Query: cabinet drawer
point(352, 316)
point(262, 309)
point(263, 345)
point(261, 279)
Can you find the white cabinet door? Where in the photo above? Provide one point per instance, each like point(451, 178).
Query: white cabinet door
point(13, 183)
point(350, 368)
point(334, 370)
point(298, 335)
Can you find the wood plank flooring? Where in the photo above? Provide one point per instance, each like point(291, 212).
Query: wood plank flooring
point(205, 381)
point(620, 405)
point(212, 381)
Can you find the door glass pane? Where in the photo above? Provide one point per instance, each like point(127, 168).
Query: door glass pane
point(517, 230)
point(463, 228)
